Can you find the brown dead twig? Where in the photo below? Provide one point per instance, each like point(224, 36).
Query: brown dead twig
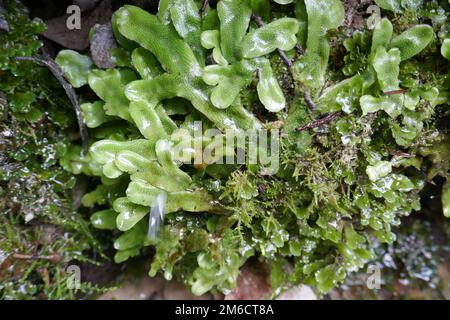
point(327, 118)
point(55, 258)
point(399, 91)
point(403, 154)
point(306, 95)
point(59, 75)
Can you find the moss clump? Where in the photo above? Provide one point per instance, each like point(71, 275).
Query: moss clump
point(40, 230)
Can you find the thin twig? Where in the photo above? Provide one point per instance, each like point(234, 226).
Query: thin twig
point(258, 20)
point(285, 59)
point(327, 118)
point(260, 23)
point(203, 7)
point(299, 48)
point(59, 75)
point(306, 95)
point(399, 91)
point(402, 154)
point(53, 258)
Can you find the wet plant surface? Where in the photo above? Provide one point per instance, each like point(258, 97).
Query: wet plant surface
point(361, 103)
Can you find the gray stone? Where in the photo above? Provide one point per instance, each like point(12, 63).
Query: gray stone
point(300, 292)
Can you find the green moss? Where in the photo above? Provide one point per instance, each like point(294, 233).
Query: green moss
point(38, 216)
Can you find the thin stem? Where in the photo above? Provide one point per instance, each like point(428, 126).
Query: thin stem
point(59, 75)
point(399, 91)
point(203, 7)
point(53, 258)
point(402, 154)
point(327, 118)
point(285, 59)
point(306, 95)
point(299, 48)
point(258, 20)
